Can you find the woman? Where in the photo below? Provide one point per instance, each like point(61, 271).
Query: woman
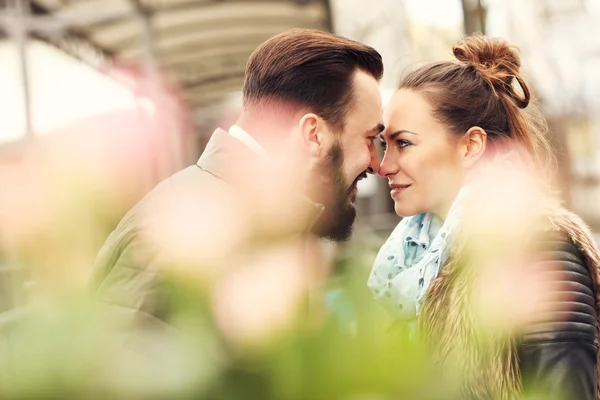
point(466, 159)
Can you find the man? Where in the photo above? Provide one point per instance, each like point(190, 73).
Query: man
point(290, 164)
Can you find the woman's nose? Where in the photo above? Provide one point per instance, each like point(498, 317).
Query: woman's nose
point(388, 166)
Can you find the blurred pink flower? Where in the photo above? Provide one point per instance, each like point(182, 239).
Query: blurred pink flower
point(263, 297)
point(194, 231)
point(510, 293)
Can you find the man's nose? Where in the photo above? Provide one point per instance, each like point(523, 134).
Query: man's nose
point(374, 165)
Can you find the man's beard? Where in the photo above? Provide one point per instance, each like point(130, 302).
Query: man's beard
point(332, 191)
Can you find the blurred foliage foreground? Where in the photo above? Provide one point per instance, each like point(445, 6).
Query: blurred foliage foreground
point(272, 327)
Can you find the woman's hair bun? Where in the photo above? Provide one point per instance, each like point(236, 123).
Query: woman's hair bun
point(497, 61)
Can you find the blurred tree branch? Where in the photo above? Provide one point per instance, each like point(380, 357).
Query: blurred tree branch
point(474, 15)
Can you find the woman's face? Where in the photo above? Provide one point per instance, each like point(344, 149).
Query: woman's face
point(423, 162)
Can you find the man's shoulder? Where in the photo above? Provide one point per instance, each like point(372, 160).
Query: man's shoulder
point(195, 176)
point(191, 180)
point(185, 188)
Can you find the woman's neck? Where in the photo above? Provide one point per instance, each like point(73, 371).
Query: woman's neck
point(444, 208)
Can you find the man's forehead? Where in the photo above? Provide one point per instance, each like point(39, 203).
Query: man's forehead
point(378, 128)
point(366, 89)
point(367, 110)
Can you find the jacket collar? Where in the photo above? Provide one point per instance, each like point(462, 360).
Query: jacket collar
point(220, 151)
point(232, 161)
point(247, 139)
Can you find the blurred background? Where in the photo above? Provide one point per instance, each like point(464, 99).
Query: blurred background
point(102, 99)
point(174, 69)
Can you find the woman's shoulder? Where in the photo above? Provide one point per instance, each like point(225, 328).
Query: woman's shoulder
point(567, 238)
point(567, 261)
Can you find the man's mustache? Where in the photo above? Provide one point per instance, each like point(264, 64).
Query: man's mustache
point(358, 178)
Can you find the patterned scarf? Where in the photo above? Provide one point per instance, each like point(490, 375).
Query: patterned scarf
point(411, 259)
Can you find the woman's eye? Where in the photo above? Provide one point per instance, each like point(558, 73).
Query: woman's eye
point(403, 143)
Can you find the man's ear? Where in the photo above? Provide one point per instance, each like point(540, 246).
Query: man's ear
point(474, 145)
point(311, 131)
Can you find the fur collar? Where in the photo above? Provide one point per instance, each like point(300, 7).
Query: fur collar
point(486, 365)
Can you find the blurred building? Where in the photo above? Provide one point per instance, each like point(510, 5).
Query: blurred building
point(560, 45)
point(198, 46)
point(179, 65)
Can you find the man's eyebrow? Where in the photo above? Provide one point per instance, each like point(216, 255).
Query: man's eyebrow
point(377, 129)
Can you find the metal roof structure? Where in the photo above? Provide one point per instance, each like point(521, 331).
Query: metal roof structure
point(202, 44)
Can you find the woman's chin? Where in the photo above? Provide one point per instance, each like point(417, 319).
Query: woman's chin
point(406, 210)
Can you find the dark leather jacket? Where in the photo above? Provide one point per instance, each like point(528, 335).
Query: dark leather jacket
point(558, 353)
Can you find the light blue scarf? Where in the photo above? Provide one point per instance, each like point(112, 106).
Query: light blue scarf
point(411, 259)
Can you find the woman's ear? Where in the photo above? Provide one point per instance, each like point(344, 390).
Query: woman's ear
point(475, 143)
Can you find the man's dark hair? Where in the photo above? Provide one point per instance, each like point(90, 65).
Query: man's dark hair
point(309, 68)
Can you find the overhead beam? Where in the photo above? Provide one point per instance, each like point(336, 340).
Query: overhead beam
point(207, 83)
point(201, 15)
point(208, 56)
point(73, 42)
point(222, 88)
point(218, 23)
point(168, 7)
point(190, 75)
point(226, 33)
point(192, 47)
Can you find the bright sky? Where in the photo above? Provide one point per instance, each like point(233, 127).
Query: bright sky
point(63, 90)
point(439, 13)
